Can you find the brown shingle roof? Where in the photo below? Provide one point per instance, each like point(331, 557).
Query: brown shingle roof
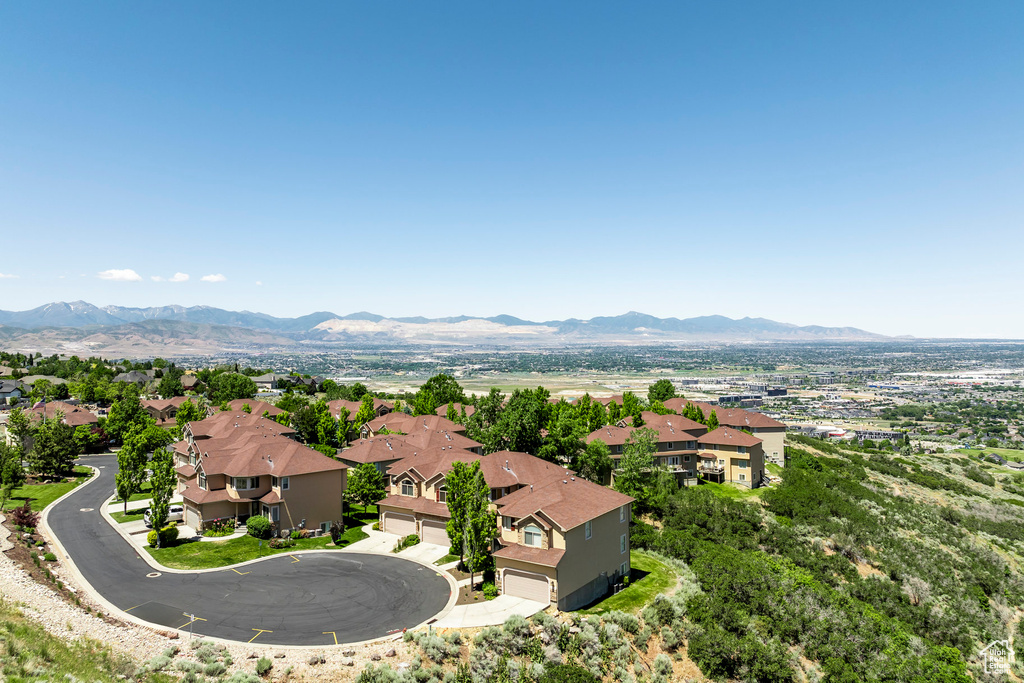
point(378, 449)
point(509, 468)
point(258, 407)
point(443, 410)
point(567, 502)
point(727, 436)
point(199, 496)
point(740, 418)
point(411, 424)
point(274, 455)
point(424, 506)
point(73, 415)
point(225, 423)
point(546, 557)
point(440, 437)
point(430, 462)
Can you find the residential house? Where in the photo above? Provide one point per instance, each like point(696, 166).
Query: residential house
point(380, 407)
point(163, 410)
point(10, 388)
point(251, 468)
point(771, 432)
point(728, 454)
point(269, 381)
point(381, 451)
point(410, 424)
point(564, 542)
point(70, 414)
point(676, 441)
point(139, 379)
point(190, 382)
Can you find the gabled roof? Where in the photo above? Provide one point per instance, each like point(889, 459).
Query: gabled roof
point(428, 463)
point(162, 404)
point(354, 406)
point(422, 505)
point(411, 424)
point(274, 455)
point(738, 417)
point(611, 435)
point(546, 557)
point(443, 410)
point(73, 415)
point(567, 502)
point(509, 468)
point(257, 407)
point(441, 437)
point(133, 377)
point(378, 449)
point(727, 436)
point(222, 424)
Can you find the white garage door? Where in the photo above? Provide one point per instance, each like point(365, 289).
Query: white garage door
point(191, 517)
point(435, 532)
point(526, 585)
point(403, 525)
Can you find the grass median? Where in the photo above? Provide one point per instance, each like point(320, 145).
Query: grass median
point(654, 578)
point(213, 554)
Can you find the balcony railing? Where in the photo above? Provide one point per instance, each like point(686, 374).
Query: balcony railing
point(711, 469)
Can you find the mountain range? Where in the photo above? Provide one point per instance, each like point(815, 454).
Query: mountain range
point(110, 328)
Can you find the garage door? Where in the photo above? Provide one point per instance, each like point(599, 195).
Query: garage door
point(192, 518)
point(435, 532)
point(403, 525)
point(526, 585)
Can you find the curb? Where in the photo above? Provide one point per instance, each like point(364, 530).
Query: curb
point(112, 610)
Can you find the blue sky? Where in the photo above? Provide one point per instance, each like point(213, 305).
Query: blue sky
point(817, 163)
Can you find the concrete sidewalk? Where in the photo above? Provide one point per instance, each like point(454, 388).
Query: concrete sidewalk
point(379, 542)
point(425, 552)
point(489, 612)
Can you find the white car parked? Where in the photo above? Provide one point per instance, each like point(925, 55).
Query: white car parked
point(174, 514)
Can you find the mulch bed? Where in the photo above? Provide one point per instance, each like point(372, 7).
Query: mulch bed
point(469, 597)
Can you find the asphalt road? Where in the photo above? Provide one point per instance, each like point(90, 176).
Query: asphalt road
point(323, 596)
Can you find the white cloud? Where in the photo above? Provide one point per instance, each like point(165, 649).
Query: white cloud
point(125, 275)
point(156, 278)
point(259, 284)
point(8, 276)
point(213, 278)
point(179, 277)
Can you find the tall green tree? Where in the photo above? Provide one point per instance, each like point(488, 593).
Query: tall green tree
point(192, 410)
point(365, 412)
point(472, 524)
point(636, 467)
point(12, 474)
point(132, 462)
point(170, 385)
point(162, 486)
point(20, 425)
point(343, 426)
point(229, 386)
point(444, 389)
point(594, 463)
point(712, 420)
point(425, 402)
point(365, 485)
point(451, 413)
point(54, 447)
point(565, 438)
point(662, 390)
point(125, 412)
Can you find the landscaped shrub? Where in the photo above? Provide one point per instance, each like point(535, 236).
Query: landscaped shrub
point(407, 542)
point(263, 664)
point(663, 665)
point(258, 527)
point(377, 674)
point(224, 526)
point(241, 677)
point(167, 536)
point(158, 663)
point(50, 557)
point(215, 669)
point(281, 543)
point(24, 516)
point(490, 590)
point(517, 629)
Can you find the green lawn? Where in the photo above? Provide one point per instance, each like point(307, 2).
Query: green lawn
point(356, 514)
point(42, 495)
point(132, 516)
point(659, 579)
point(211, 554)
point(733, 491)
point(1010, 454)
point(446, 559)
point(773, 468)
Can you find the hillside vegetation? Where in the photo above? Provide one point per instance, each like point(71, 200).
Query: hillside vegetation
point(858, 566)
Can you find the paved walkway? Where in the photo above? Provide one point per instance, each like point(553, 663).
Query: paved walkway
point(425, 552)
point(379, 542)
point(489, 612)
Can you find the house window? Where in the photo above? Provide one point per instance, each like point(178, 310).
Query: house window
point(285, 483)
point(669, 446)
point(506, 523)
point(618, 449)
point(275, 514)
point(442, 494)
point(407, 488)
point(192, 459)
point(531, 536)
point(622, 513)
point(741, 449)
point(743, 464)
point(743, 477)
point(325, 527)
point(674, 460)
point(273, 482)
point(624, 569)
point(623, 543)
point(202, 481)
point(588, 530)
point(245, 483)
point(686, 458)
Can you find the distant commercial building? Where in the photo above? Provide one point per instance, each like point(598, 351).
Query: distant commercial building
point(878, 434)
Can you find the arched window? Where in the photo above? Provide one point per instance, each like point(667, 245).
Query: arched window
point(532, 535)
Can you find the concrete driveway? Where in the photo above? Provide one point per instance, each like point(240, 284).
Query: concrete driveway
point(489, 612)
point(425, 552)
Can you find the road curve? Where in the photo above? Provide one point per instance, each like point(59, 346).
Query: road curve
point(322, 599)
